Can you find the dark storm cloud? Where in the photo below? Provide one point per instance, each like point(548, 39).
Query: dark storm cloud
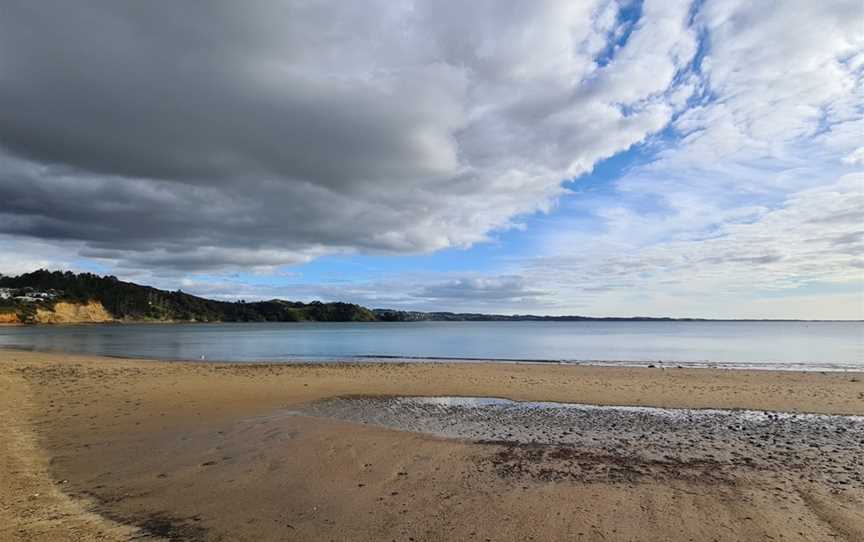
point(209, 134)
point(147, 90)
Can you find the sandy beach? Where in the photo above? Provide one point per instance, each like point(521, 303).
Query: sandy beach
point(116, 449)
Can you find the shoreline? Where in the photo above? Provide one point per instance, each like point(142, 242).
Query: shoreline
point(610, 319)
point(795, 367)
point(838, 367)
point(161, 449)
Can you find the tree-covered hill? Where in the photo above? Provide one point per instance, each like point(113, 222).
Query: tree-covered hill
point(22, 297)
point(133, 302)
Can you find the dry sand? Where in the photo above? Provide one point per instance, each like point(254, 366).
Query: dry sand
point(109, 449)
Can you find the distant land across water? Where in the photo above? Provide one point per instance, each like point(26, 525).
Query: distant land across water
point(64, 297)
point(291, 331)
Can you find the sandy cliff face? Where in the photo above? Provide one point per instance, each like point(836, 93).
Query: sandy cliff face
point(74, 313)
point(8, 318)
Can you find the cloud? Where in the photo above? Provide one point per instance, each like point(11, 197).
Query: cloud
point(21, 256)
point(264, 134)
point(785, 248)
point(754, 195)
point(482, 290)
point(163, 141)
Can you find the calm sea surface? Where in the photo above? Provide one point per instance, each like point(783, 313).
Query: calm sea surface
point(806, 345)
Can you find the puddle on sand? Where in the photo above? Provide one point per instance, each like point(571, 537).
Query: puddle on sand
point(827, 447)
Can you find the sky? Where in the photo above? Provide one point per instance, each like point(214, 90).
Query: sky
point(598, 157)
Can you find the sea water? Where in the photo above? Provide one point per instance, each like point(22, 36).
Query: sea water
point(738, 344)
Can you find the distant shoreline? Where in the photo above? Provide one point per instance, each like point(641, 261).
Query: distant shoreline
point(45, 297)
point(552, 319)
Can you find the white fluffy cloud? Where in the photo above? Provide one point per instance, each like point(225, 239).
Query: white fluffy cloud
point(758, 195)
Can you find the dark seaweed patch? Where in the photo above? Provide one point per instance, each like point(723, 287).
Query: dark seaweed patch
point(172, 528)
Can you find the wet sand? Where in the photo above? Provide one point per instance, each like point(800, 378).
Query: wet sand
point(110, 449)
point(638, 441)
